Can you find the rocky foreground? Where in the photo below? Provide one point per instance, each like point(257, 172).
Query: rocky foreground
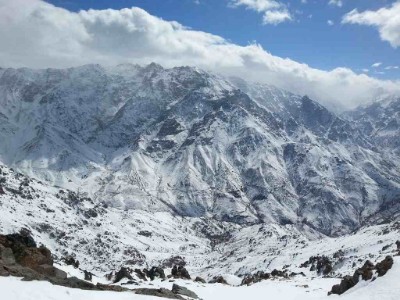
point(21, 257)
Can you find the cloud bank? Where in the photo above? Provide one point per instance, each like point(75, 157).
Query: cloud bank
point(386, 20)
point(39, 35)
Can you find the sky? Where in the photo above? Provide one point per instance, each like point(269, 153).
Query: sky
point(340, 52)
point(313, 34)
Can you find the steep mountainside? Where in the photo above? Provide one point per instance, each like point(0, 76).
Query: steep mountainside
point(194, 144)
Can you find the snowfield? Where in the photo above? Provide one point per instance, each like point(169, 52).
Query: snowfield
point(383, 288)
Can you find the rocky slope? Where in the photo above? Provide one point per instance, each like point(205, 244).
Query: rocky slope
point(193, 144)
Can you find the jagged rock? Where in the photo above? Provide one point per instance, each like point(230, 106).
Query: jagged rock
point(155, 272)
point(346, 284)
point(383, 266)
point(88, 275)
point(34, 257)
point(199, 279)
point(174, 261)
point(71, 261)
point(164, 293)
point(180, 272)
point(123, 273)
point(398, 245)
point(145, 233)
point(2, 192)
point(366, 273)
point(177, 289)
point(140, 274)
point(278, 273)
point(218, 279)
point(254, 278)
point(321, 264)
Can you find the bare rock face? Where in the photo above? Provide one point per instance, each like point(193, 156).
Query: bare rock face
point(218, 279)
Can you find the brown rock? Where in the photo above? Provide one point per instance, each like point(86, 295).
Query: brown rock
point(383, 266)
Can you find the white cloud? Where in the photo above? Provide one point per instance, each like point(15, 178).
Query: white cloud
point(275, 17)
point(365, 70)
point(376, 65)
point(330, 23)
point(36, 34)
point(338, 3)
point(274, 12)
point(386, 20)
point(392, 67)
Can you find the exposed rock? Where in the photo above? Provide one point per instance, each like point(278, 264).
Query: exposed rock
point(155, 272)
point(145, 233)
point(50, 271)
point(177, 289)
point(88, 275)
point(174, 261)
point(2, 191)
point(164, 293)
point(6, 255)
point(321, 264)
point(346, 284)
point(180, 272)
point(199, 279)
point(123, 273)
point(218, 279)
point(71, 261)
point(365, 272)
point(140, 274)
point(383, 266)
point(398, 245)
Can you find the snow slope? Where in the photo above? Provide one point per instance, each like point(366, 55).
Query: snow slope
point(194, 144)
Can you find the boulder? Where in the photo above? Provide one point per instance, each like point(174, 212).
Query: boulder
point(51, 271)
point(155, 272)
point(383, 266)
point(140, 274)
point(180, 272)
point(177, 289)
point(199, 279)
point(346, 284)
point(123, 273)
point(71, 261)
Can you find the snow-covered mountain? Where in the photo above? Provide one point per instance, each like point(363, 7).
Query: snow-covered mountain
point(188, 143)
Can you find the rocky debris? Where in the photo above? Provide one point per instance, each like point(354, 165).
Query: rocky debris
point(260, 276)
point(199, 279)
point(2, 191)
point(321, 264)
point(218, 279)
point(123, 273)
point(164, 293)
point(177, 289)
point(174, 261)
point(71, 261)
point(155, 272)
point(398, 245)
point(180, 272)
point(366, 272)
point(257, 277)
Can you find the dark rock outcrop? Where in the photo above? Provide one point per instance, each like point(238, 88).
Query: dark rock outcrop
point(321, 264)
point(155, 272)
point(366, 272)
point(218, 279)
point(164, 293)
point(123, 273)
point(177, 289)
point(180, 272)
point(199, 279)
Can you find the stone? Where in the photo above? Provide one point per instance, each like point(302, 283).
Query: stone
point(7, 255)
point(199, 279)
point(383, 266)
point(177, 289)
point(180, 272)
point(123, 273)
point(218, 279)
